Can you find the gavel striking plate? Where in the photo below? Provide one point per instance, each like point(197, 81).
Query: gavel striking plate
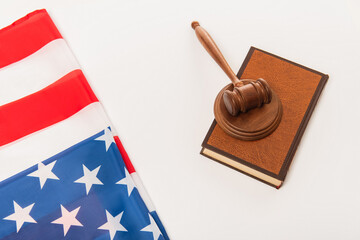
point(245, 109)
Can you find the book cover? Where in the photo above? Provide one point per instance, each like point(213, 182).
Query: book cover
point(268, 159)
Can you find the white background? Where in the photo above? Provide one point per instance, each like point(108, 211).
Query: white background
point(158, 85)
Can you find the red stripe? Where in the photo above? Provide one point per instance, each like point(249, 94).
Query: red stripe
point(124, 155)
point(26, 36)
point(46, 107)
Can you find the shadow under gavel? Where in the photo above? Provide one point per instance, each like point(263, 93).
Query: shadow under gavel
point(243, 97)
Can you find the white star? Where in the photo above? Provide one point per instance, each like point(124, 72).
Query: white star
point(21, 215)
point(113, 224)
point(89, 178)
point(127, 180)
point(152, 227)
point(68, 219)
point(44, 173)
point(107, 138)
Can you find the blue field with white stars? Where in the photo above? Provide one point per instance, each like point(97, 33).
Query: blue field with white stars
point(84, 192)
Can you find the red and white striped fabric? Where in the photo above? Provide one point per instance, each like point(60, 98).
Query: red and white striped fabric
point(46, 103)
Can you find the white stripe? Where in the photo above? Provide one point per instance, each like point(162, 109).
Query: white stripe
point(36, 71)
point(34, 148)
point(142, 191)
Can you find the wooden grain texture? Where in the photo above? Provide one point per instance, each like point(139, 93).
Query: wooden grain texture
point(242, 98)
point(252, 95)
point(214, 51)
point(298, 88)
point(251, 125)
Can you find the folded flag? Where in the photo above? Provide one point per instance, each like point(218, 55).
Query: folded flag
point(64, 173)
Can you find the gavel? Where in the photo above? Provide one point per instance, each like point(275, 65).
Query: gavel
point(243, 97)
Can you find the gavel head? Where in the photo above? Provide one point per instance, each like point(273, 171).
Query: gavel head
point(246, 97)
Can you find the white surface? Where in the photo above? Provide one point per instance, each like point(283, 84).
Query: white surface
point(158, 85)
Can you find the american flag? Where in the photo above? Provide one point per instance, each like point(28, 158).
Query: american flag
point(64, 173)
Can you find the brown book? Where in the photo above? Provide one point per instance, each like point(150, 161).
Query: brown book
point(268, 159)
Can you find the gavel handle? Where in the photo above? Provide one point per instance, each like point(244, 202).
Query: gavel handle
point(211, 47)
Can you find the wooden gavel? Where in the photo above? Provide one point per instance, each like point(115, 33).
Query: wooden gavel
point(244, 96)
